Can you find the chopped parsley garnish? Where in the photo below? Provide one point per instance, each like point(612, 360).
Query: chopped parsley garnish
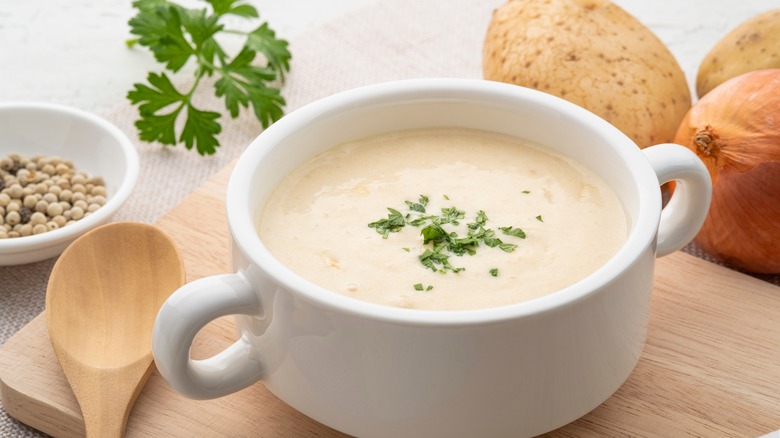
point(451, 215)
point(418, 206)
point(393, 224)
point(512, 231)
point(442, 242)
point(420, 287)
point(539, 218)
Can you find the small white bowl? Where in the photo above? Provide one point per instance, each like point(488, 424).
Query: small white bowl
point(94, 145)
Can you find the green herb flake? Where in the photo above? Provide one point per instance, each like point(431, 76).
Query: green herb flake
point(539, 218)
point(418, 286)
point(433, 233)
point(526, 192)
point(418, 206)
point(393, 224)
point(451, 215)
point(512, 231)
point(436, 261)
point(494, 272)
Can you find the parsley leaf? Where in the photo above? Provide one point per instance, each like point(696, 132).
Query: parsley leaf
point(512, 231)
point(418, 206)
point(393, 224)
point(177, 36)
point(263, 40)
point(200, 130)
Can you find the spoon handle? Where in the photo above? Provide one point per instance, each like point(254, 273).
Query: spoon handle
point(106, 397)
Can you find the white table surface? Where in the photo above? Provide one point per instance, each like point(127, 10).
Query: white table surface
point(72, 52)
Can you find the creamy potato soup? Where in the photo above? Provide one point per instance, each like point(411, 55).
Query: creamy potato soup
point(444, 218)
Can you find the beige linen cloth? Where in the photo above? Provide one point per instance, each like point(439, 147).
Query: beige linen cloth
point(388, 40)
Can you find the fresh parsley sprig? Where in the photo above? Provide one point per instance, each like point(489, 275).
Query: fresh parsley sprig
point(176, 36)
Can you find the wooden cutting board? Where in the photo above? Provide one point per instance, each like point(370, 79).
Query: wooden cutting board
point(711, 366)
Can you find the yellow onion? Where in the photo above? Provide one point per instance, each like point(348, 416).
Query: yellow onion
point(735, 130)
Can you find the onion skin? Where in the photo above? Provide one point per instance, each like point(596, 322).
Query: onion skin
point(735, 130)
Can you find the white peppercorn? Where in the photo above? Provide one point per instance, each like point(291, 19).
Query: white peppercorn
point(30, 201)
point(59, 220)
point(38, 218)
point(23, 176)
point(6, 163)
point(54, 209)
point(66, 195)
point(15, 191)
point(98, 191)
point(77, 212)
point(41, 206)
point(13, 217)
point(40, 194)
point(63, 183)
point(62, 169)
point(78, 178)
point(50, 198)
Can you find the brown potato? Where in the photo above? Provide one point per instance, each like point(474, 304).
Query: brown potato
point(752, 45)
point(594, 54)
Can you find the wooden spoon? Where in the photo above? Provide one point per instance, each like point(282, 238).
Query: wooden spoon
point(101, 303)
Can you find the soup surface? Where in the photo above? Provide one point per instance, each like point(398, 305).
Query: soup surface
point(444, 219)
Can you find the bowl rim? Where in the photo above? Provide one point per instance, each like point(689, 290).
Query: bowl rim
point(245, 239)
point(114, 201)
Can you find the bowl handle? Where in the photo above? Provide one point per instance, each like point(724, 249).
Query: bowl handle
point(684, 215)
point(183, 315)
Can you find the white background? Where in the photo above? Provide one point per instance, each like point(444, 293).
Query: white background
point(73, 52)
